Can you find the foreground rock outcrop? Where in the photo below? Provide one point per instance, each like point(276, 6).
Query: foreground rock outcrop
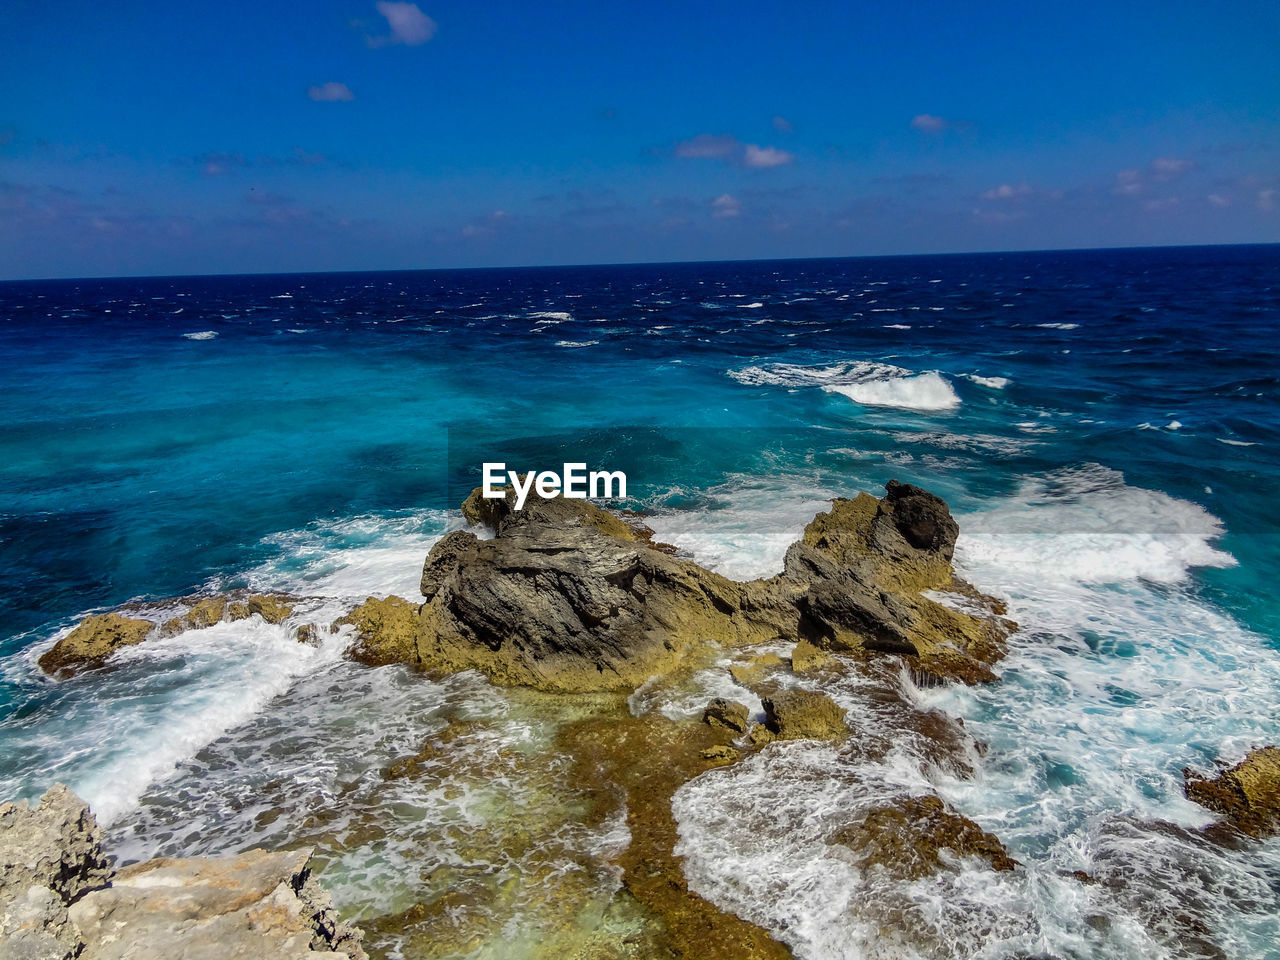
point(50, 856)
point(568, 597)
point(59, 898)
point(1246, 795)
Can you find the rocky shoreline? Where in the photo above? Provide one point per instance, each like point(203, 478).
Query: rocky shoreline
point(583, 606)
point(61, 898)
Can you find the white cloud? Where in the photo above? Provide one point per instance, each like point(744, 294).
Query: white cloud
point(331, 93)
point(1131, 182)
point(783, 125)
point(764, 157)
point(1128, 182)
point(1169, 168)
point(706, 145)
point(408, 24)
point(1163, 205)
point(725, 206)
point(928, 123)
point(487, 225)
point(1266, 200)
point(1008, 191)
point(1218, 200)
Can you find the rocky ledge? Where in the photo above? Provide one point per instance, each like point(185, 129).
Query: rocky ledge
point(568, 597)
point(60, 899)
point(96, 638)
point(1247, 795)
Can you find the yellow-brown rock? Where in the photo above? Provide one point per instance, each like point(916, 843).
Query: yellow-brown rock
point(751, 674)
point(906, 839)
point(387, 631)
point(1246, 795)
point(570, 598)
point(95, 639)
point(730, 714)
point(806, 656)
point(271, 607)
point(804, 715)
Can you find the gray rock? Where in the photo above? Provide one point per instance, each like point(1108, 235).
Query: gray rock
point(59, 899)
point(50, 855)
point(567, 597)
point(55, 844)
point(257, 904)
point(919, 517)
point(34, 926)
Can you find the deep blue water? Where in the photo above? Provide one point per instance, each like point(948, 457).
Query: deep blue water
point(1103, 421)
point(140, 462)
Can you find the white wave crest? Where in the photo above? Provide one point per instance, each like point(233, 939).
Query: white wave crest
point(1087, 526)
point(867, 383)
point(991, 383)
point(925, 391)
point(201, 335)
point(115, 733)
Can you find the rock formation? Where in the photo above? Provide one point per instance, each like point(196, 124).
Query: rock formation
point(906, 839)
point(571, 599)
point(92, 641)
point(728, 714)
point(803, 715)
point(50, 856)
point(568, 597)
point(257, 904)
point(1246, 795)
point(59, 899)
point(96, 638)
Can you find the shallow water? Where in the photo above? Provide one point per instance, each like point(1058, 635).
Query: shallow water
point(1102, 423)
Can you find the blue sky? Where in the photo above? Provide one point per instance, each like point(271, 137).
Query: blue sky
point(155, 138)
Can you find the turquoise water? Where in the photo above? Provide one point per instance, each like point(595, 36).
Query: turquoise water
point(1104, 424)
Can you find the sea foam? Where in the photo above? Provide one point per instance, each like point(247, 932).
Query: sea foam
point(1118, 678)
point(866, 383)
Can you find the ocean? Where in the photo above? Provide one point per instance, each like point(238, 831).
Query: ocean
point(1105, 426)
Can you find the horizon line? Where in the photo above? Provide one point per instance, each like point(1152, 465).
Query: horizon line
point(633, 263)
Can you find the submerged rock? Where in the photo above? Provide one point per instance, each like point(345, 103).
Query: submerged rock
point(639, 763)
point(59, 898)
point(95, 639)
point(751, 674)
point(907, 838)
point(804, 715)
point(1247, 795)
